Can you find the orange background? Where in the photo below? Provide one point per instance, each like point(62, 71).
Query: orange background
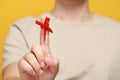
point(11, 10)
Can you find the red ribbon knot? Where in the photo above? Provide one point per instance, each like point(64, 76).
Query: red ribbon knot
point(45, 26)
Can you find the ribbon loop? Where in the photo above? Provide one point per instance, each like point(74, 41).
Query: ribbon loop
point(44, 26)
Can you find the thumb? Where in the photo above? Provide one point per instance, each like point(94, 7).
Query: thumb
point(53, 64)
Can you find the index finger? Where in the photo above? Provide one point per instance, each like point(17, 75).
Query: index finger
point(44, 34)
point(45, 42)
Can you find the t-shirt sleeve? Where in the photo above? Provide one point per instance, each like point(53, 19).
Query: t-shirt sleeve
point(15, 46)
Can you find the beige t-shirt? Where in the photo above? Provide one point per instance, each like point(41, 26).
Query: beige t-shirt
point(87, 51)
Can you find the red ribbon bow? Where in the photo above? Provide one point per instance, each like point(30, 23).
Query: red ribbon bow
point(45, 26)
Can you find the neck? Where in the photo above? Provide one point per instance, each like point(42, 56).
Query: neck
point(72, 10)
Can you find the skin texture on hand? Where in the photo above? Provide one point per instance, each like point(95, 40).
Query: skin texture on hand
point(39, 64)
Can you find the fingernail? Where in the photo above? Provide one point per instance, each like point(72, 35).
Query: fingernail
point(42, 64)
point(41, 72)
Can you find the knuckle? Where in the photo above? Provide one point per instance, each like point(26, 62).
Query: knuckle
point(27, 56)
point(30, 70)
point(56, 61)
point(34, 47)
point(21, 62)
point(37, 69)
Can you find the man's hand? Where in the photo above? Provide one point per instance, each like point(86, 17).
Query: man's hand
point(39, 64)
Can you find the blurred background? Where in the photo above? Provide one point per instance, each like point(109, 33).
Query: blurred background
point(12, 10)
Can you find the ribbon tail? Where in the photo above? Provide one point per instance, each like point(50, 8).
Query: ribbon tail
point(44, 35)
point(50, 30)
point(40, 23)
